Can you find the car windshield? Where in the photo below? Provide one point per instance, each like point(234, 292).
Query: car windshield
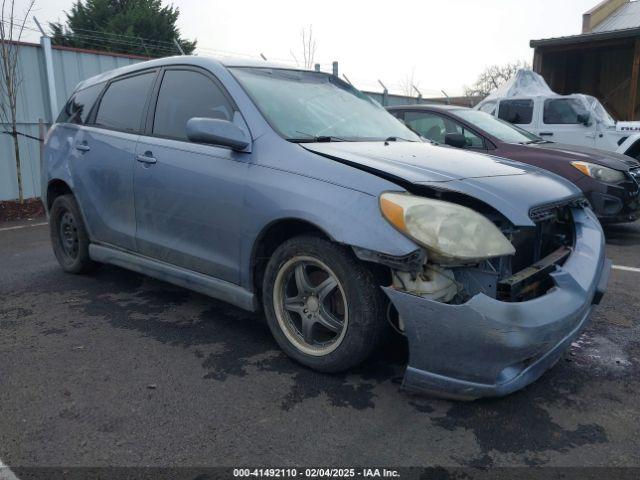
point(503, 131)
point(308, 106)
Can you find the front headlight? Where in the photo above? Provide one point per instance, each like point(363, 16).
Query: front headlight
point(604, 174)
point(451, 233)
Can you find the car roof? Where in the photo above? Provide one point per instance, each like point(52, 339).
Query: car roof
point(207, 62)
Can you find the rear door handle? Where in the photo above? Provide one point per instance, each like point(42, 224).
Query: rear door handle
point(546, 134)
point(83, 147)
point(146, 158)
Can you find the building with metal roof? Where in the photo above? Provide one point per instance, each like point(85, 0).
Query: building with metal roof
point(625, 16)
point(603, 60)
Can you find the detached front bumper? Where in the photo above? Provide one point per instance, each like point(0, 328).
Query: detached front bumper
point(486, 347)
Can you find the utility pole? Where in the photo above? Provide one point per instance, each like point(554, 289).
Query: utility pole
point(45, 43)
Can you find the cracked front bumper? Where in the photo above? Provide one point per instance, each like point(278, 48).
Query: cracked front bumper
point(486, 347)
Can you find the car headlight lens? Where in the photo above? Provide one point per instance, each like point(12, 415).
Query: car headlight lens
point(604, 174)
point(451, 233)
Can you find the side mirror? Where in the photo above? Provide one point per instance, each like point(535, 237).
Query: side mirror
point(584, 118)
point(216, 132)
point(456, 140)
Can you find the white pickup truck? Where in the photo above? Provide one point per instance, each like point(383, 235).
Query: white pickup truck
point(528, 102)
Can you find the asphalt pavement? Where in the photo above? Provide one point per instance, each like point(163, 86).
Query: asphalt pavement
point(116, 369)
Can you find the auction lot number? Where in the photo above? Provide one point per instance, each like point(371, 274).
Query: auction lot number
point(316, 472)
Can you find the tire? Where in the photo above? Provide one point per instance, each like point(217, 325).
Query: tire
point(69, 236)
point(356, 302)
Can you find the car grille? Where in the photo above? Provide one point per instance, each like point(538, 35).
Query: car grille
point(554, 210)
point(553, 229)
point(548, 243)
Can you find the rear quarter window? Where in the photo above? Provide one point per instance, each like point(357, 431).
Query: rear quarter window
point(519, 112)
point(78, 107)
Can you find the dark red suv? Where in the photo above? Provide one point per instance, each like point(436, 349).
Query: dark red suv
point(610, 181)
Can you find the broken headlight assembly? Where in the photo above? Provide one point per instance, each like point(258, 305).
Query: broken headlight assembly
point(451, 233)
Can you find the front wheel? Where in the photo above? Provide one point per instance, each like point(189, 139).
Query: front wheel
point(322, 305)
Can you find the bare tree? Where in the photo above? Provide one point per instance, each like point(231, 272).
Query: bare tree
point(308, 48)
point(11, 30)
point(408, 85)
point(493, 77)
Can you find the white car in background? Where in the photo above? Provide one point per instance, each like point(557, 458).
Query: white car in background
point(528, 102)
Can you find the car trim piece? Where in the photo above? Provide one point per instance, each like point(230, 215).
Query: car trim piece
point(210, 286)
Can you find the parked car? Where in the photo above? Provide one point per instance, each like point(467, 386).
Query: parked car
point(527, 101)
point(290, 191)
point(610, 181)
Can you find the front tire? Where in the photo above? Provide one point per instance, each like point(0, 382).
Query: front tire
point(69, 236)
point(322, 305)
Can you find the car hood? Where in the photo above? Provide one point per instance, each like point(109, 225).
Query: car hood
point(510, 187)
point(419, 162)
point(613, 160)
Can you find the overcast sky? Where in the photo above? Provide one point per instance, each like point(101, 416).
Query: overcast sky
point(445, 43)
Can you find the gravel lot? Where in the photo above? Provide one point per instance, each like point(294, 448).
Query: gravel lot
point(118, 369)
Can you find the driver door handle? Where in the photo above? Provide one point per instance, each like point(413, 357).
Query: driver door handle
point(83, 147)
point(546, 134)
point(146, 158)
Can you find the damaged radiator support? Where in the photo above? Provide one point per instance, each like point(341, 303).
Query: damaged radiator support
point(531, 281)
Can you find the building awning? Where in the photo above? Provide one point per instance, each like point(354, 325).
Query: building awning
point(586, 38)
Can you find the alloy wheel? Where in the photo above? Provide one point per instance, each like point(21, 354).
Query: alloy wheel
point(310, 305)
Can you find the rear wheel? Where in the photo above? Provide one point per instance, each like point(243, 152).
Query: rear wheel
point(322, 305)
point(69, 236)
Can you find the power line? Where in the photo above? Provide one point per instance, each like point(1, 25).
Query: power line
point(98, 40)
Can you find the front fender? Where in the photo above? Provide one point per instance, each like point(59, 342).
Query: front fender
point(346, 215)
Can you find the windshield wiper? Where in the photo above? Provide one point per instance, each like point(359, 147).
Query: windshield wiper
point(316, 138)
point(395, 139)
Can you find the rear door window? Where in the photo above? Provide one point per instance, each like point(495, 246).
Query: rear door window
point(519, 112)
point(123, 104)
point(185, 94)
point(77, 109)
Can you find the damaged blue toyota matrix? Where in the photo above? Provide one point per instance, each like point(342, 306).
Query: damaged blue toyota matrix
point(292, 192)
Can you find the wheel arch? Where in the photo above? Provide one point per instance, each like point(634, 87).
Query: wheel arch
point(55, 188)
point(272, 236)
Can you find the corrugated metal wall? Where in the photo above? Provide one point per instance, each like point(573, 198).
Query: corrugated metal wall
point(70, 67)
